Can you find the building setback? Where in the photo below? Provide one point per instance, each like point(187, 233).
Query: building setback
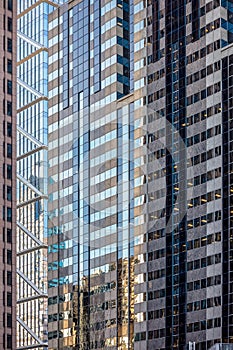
point(8, 175)
point(139, 230)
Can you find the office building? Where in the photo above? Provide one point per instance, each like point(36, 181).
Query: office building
point(32, 113)
point(8, 175)
point(139, 177)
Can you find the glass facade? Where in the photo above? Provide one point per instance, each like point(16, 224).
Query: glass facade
point(222, 347)
point(90, 255)
point(139, 175)
point(32, 142)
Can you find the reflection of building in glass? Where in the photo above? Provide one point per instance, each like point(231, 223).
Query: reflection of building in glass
point(8, 174)
point(139, 228)
point(222, 347)
point(32, 108)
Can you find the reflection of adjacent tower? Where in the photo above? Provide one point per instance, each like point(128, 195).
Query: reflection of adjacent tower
point(75, 313)
point(111, 306)
point(84, 315)
point(125, 303)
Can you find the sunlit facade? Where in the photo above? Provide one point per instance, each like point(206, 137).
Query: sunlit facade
point(139, 177)
point(32, 109)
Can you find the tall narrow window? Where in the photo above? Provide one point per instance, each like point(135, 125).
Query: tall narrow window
point(9, 24)
point(9, 150)
point(9, 235)
point(9, 129)
point(9, 257)
point(9, 87)
point(9, 278)
point(9, 341)
point(9, 299)
point(9, 108)
point(9, 66)
point(10, 5)
point(9, 171)
point(9, 45)
point(9, 193)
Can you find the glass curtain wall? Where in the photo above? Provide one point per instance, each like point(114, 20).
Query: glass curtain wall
point(32, 111)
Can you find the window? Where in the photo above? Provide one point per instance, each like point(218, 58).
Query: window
point(9, 45)
point(10, 5)
point(9, 299)
point(9, 87)
point(9, 235)
point(9, 24)
point(9, 108)
point(9, 193)
point(9, 150)
point(196, 264)
point(9, 66)
point(9, 214)
point(9, 320)
point(9, 341)
point(9, 278)
point(196, 285)
point(9, 257)
point(203, 73)
point(203, 285)
point(9, 172)
point(9, 129)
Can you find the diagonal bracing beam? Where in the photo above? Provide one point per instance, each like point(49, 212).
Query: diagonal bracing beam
point(29, 185)
point(23, 324)
point(29, 88)
point(29, 137)
point(30, 283)
point(40, 145)
point(29, 40)
point(34, 238)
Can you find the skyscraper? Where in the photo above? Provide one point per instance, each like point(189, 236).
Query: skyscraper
point(8, 174)
point(32, 113)
point(140, 183)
